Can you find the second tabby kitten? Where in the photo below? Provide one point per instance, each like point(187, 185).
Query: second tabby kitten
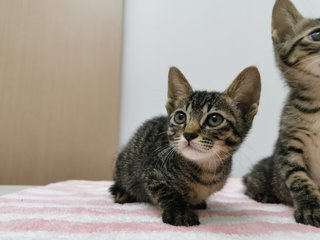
point(177, 161)
point(292, 174)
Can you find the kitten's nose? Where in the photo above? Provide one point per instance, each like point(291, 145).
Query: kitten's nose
point(190, 136)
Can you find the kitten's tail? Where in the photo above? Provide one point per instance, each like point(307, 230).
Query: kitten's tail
point(258, 182)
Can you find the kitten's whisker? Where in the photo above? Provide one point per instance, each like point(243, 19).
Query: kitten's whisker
point(168, 154)
point(162, 147)
point(164, 150)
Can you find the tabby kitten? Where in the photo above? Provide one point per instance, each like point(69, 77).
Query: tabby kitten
point(177, 161)
point(292, 174)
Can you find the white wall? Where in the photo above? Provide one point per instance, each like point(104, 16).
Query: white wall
point(211, 41)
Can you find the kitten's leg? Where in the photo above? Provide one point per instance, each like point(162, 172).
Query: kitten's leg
point(303, 190)
point(120, 195)
point(175, 209)
point(201, 205)
point(257, 182)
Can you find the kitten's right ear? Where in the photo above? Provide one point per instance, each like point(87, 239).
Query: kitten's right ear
point(178, 89)
point(284, 20)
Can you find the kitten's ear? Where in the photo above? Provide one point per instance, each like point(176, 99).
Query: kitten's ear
point(178, 89)
point(284, 20)
point(245, 92)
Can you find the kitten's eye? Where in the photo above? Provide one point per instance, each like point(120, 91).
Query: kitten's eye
point(315, 37)
point(214, 120)
point(180, 117)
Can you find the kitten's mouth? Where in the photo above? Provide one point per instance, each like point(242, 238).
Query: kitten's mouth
point(190, 146)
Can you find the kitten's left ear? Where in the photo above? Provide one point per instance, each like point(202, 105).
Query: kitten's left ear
point(245, 92)
point(178, 89)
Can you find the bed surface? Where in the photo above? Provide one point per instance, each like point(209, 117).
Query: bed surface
point(85, 210)
point(6, 189)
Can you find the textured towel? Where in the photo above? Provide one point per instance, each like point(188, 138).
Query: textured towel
point(85, 210)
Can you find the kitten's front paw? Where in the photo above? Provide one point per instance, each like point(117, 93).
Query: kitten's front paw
point(308, 216)
point(201, 205)
point(180, 217)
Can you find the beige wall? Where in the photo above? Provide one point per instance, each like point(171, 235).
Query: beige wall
point(59, 89)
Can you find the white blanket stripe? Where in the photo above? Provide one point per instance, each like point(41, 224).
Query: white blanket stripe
point(85, 210)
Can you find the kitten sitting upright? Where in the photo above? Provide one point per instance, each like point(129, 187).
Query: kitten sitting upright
point(292, 174)
point(177, 161)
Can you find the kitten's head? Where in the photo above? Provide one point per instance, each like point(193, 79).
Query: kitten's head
point(296, 43)
point(211, 125)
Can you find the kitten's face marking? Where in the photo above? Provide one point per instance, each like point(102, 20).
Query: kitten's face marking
point(297, 44)
point(199, 132)
point(304, 51)
point(205, 126)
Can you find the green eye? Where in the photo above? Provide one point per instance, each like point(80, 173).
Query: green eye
point(180, 117)
point(214, 120)
point(315, 37)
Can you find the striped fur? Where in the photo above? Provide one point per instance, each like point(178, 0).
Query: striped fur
point(177, 161)
point(292, 174)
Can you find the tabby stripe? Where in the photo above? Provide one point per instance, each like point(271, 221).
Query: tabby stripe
point(219, 169)
point(312, 51)
point(234, 128)
point(187, 106)
point(225, 129)
point(285, 163)
point(285, 150)
point(192, 172)
point(310, 202)
point(205, 183)
point(304, 44)
point(293, 47)
point(304, 98)
point(303, 128)
point(297, 139)
point(192, 177)
point(210, 106)
point(216, 180)
point(216, 136)
point(230, 143)
point(294, 170)
point(308, 48)
point(294, 149)
point(306, 110)
point(297, 186)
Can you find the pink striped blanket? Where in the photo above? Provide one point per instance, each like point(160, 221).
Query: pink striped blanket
point(85, 210)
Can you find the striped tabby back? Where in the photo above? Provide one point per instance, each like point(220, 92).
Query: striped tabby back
point(177, 161)
point(292, 174)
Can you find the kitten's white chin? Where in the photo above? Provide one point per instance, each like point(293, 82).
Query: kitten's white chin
point(194, 154)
